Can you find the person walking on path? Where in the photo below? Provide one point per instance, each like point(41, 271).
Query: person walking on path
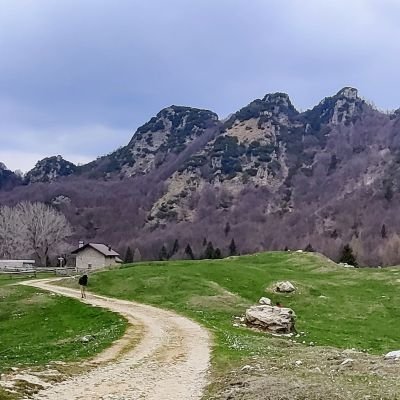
point(83, 281)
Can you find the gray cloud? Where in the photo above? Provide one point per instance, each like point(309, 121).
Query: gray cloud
point(77, 77)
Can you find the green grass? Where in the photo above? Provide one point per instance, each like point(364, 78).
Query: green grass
point(337, 307)
point(37, 327)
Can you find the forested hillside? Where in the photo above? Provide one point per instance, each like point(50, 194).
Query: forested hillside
point(267, 178)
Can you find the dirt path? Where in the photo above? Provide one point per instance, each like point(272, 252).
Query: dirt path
point(170, 362)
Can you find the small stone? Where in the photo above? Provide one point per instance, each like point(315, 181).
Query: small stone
point(393, 355)
point(266, 301)
point(347, 362)
point(86, 338)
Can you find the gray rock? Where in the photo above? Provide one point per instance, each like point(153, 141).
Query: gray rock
point(393, 355)
point(265, 301)
point(86, 338)
point(279, 320)
point(284, 287)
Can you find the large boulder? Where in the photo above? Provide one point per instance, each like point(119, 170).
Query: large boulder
point(271, 319)
point(284, 287)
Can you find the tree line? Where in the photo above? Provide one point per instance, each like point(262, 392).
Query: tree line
point(210, 252)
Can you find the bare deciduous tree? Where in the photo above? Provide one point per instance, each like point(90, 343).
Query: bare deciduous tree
point(32, 228)
point(11, 233)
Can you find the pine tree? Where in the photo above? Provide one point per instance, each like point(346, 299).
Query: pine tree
point(204, 242)
point(232, 248)
point(309, 248)
point(189, 252)
point(347, 256)
point(209, 253)
point(227, 229)
point(388, 191)
point(128, 256)
point(163, 254)
point(175, 248)
point(217, 253)
point(383, 232)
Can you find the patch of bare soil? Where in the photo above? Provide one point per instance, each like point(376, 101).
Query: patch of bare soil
point(169, 361)
point(312, 373)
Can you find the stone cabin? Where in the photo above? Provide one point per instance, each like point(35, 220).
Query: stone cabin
point(92, 256)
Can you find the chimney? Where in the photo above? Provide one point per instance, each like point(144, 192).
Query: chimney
point(109, 248)
point(81, 244)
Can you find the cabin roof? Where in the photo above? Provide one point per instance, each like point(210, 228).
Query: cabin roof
point(100, 247)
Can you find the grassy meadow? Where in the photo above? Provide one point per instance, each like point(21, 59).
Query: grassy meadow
point(37, 327)
point(337, 309)
point(335, 306)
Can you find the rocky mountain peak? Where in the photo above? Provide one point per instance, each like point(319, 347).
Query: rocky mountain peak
point(344, 108)
point(171, 131)
point(8, 179)
point(176, 118)
point(348, 93)
point(49, 169)
point(280, 99)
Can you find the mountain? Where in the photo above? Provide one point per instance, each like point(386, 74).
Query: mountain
point(8, 179)
point(268, 177)
point(163, 138)
point(50, 169)
point(265, 144)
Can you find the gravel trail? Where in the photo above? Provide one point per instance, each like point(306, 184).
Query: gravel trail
point(170, 362)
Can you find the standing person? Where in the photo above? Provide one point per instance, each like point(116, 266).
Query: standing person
point(83, 281)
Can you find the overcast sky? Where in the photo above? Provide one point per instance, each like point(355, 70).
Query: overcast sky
point(77, 77)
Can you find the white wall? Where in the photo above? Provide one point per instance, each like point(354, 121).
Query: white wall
point(92, 257)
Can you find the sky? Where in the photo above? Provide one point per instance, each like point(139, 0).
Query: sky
point(77, 77)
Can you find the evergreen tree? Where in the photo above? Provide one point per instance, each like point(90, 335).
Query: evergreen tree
point(334, 234)
point(175, 248)
point(232, 248)
point(383, 232)
point(163, 254)
point(209, 253)
point(217, 253)
point(286, 248)
point(204, 242)
point(189, 252)
point(309, 248)
point(128, 256)
point(227, 229)
point(347, 256)
point(388, 194)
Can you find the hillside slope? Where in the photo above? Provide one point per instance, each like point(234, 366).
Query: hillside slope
point(269, 177)
point(337, 309)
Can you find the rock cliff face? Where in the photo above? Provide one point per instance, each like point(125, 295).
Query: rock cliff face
point(165, 136)
point(50, 169)
point(265, 144)
point(269, 177)
point(8, 179)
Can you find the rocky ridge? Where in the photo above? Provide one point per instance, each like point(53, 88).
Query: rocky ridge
point(50, 169)
point(278, 177)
